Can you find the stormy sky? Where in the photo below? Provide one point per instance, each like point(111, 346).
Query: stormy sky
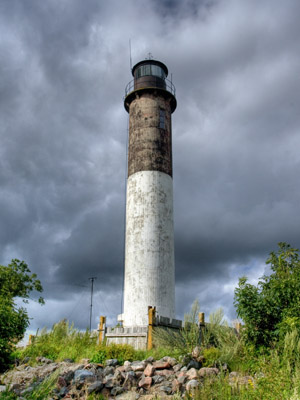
point(64, 65)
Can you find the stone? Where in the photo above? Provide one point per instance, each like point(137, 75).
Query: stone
point(95, 387)
point(193, 364)
point(183, 369)
point(138, 374)
point(150, 360)
point(111, 362)
point(192, 374)
point(115, 391)
point(109, 381)
point(119, 377)
point(172, 361)
point(2, 388)
point(177, 367)
point(165, 389)
point(161, 365)
point(192, 385)
point(68, 376)
point(176, 386)
point(145, 382)
point(196, 352)
point(157, 379)
point(149, 370)
point(82, 375)
point(108, 371)
point(63, 392)
point(208, 372)
point(164, 372)
point(138, 365)
point(61, 382)
point(130, 380)
point(182, 379)
point(127, 364)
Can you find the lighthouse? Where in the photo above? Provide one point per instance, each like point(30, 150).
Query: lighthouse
point(149, 278)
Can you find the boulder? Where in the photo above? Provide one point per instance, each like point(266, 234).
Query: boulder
point(108, 371)
point(172, 361)
point(111, 362)
point(138, 366)
point(161, 365)
point(165, 372)
point(149, 370)
point(192, 385)
point(145, 382)
point(95, 387)
point(193, 364)
point(192, 374)
point(115, 391)
point(177, 367)
point(82, 375)
point(130, 381)
point(157, 379)
point(196, 352)
point(61, 382)
point(208, 372)
point(165, 388)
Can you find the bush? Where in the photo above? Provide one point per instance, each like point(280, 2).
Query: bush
point(211, 357)
point(15, 281)
point(271, 309)
point(121, 352)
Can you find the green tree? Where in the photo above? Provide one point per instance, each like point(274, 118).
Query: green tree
point(16, 281)
point(272, 308)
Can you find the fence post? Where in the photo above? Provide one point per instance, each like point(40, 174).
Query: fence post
point(238, 328)
point(151, 322)
point(30, 340)
point(201, 320)
point(102, 329)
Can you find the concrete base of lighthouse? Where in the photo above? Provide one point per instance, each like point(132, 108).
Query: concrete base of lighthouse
point(149, 255)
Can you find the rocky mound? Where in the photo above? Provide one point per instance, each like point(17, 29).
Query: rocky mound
point(148, 378)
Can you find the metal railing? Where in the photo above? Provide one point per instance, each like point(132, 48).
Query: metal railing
point(169, 87)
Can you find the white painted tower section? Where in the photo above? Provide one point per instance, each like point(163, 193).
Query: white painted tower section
point(149, 254)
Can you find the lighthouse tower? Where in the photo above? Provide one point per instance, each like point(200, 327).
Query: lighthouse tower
point(149, 251)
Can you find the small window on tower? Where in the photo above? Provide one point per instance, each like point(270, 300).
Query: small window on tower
point(162, 117)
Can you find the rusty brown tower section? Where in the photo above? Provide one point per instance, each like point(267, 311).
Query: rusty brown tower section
point(150, 102)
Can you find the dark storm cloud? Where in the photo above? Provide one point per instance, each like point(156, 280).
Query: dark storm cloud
point(64, 66)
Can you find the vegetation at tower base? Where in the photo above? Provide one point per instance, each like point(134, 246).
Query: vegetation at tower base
point(222, 365)
point(16, 280)
point(271, 309)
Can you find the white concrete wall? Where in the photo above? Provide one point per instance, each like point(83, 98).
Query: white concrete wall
point(149, 255)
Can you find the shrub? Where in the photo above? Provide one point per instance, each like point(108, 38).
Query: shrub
point(121, 352)
point(211, 357)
